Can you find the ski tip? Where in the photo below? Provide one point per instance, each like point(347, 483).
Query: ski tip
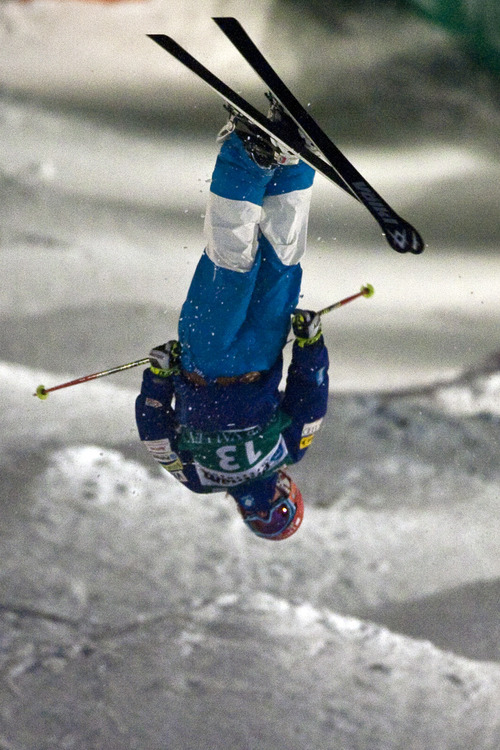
point(221, 20)
point(41, 393)
point(418, 246)
point(158, 38)
point(405, 239)
point(229, 26)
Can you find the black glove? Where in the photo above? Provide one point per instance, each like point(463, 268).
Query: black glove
point(166, 359)
point(306, 326)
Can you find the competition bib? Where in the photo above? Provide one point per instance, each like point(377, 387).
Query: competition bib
point(229, 457)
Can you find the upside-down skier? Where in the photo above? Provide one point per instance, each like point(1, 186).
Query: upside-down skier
point(210, 410)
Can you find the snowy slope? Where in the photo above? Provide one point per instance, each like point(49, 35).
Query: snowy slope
point(252, 672)
point(124, 595)
point(386, 518)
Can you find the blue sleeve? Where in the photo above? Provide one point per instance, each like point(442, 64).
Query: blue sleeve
point(158, 429)
point(153, 408)
point(306, 396)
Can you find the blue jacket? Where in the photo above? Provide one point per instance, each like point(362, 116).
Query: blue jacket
point(255, 421)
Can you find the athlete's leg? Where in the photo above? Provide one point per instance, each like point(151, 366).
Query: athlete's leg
point(237, 314)
point(234, 207)
point(285, 211)
point(281, 246)
point(222, 286)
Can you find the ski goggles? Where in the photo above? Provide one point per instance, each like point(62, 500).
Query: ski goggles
point(280, 516)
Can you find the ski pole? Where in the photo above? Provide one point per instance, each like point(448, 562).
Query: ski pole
point(43, 392)
point(366, 291)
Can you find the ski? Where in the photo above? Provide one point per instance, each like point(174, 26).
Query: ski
point(245, 108)
point(400, 235)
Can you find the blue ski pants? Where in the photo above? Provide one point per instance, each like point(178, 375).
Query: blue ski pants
point(236, 317)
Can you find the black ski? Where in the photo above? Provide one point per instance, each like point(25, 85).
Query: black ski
point(240, 104)
point(399, 233)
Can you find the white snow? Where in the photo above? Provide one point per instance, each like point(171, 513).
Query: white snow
point(113, 575)
point(136, 615)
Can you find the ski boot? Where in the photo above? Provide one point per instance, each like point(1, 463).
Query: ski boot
point(263, 149)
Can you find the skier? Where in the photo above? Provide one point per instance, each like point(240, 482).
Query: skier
point(229, 427)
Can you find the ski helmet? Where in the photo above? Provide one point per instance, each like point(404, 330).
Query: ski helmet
point(281, 517)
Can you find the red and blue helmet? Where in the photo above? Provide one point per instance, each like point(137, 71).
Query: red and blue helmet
point(268, 516)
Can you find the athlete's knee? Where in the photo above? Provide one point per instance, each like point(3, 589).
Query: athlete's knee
point(231, 232)
point(284, 224)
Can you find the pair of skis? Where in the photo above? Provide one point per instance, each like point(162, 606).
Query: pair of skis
point(332, 163)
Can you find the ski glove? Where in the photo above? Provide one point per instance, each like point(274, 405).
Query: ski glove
point(306, 326)
point(165, 359)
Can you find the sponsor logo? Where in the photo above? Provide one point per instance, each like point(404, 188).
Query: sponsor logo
point(247, 500)
point(311, 427)
point(161, 450)
point(374, 202)
point(173, 463)
point(400, 239)
point(154, 403)
point(306, 442)
point(320, 375)
point(223, 437)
